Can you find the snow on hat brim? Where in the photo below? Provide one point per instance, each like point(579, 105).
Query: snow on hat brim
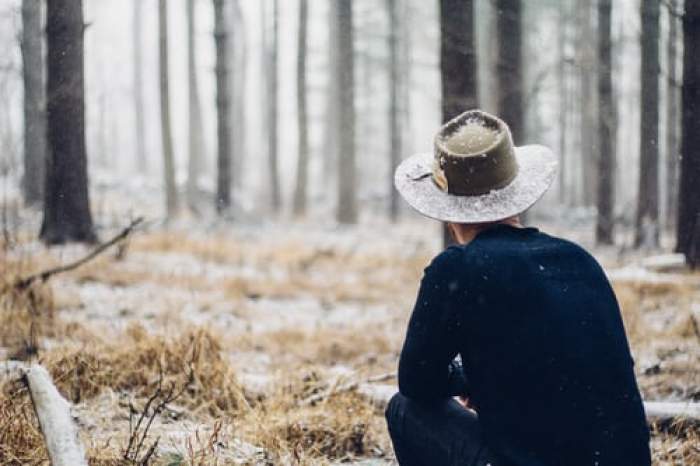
point(537, 167)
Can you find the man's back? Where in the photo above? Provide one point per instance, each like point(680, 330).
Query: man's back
point(543, 348)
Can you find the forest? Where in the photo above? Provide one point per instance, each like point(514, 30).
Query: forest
point(203, 256)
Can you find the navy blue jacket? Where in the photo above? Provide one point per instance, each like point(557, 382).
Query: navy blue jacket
point(543, 348)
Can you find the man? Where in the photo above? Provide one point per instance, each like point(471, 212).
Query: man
point(544, 357)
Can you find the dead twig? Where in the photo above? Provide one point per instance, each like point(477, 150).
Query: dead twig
point(24, 283)
point(313, 399)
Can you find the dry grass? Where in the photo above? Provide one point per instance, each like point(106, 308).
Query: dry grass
point(90, 366)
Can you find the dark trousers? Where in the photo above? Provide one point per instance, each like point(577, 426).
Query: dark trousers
point(439, 434)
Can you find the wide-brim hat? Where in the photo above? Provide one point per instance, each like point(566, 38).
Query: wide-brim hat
point(475, 173)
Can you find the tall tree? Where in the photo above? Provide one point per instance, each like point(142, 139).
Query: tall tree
point(586, 61)
point(458, 63)
point(606, 126)
point(344, 73)
point(672, 123)
point(272, 79)
point(139, 125)
point(34, 101)
point(238, 77)
point(67, 214)
point(171, 202)
point(688, 236)
point(647, 221)
point(509, 69)
point(563, 91)
point(395, 140)
point(223, 109)
point(196, 148)
point(300, 193)
point(331, 134)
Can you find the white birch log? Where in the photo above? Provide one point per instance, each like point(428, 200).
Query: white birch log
point(657, 410)
point(57, 426)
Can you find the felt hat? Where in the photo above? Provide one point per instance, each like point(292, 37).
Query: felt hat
point(475, 173)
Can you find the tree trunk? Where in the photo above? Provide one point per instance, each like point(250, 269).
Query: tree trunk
point(331, 136)
point(395, 142)
point(458, 64)
point(647, 222)
point(139, 125)
point(589, 117)
point(196, 148)
point(34, 101)
point(672, 153)
point(344, 71)
point(606, 127)
point(67, 214)
point(563, 91)
point(509, 69)
point(272, 110)
point(240, 65)
point(300, 193)
point(223, 108)
point(689, 195)
point(171, 202)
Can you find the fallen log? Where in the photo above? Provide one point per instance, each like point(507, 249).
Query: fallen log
point(655, 410)
point(53, 412)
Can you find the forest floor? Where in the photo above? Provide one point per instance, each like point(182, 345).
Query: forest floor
point(269, 338)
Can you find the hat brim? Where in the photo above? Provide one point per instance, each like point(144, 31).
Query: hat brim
point(537, 167)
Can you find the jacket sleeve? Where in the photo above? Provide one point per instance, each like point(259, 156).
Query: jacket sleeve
point(430, 344)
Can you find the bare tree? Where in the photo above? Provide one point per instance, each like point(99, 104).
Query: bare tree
point(672, 114)
point(67, 214)
point(458, 63)
point(509, 69)
point(331, 135)
point(223, 108)
point(196, 147)
point(563, 91)
point(606, 127)
point(171, 201)
point(647, 227)
point(300, 193)
point(272, 80)
point(34, 101)
point(395, 142)
point(586, 61)
point(344, 74)
point(139, 125)
point(238, 77)
point(688, 236)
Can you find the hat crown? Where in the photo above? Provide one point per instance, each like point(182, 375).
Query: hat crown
point(474, 154)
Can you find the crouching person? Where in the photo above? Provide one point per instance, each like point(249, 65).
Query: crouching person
point(523, 325)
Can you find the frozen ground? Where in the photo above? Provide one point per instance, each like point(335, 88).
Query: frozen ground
point(293, 306)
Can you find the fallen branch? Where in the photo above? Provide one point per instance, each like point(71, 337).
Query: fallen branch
point(315, 398)
point(53, 412)
point(24, 283)
point(664, 410)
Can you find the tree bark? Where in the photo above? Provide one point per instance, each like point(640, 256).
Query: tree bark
point(67, 214)
point(196, 148)
point(672, 123)
point(171, 201)
point(606, 127)
point(509, 70)
point(458, 64)
point(300, 193)
point(588, 102)
point(272, 110)
point(139, 125)
point(238, 76)
point(647, 221)
point(395, 140)
point(563, 91)
point(688, 233)
point(223, 108)
point(34, 101)
point(344, 72)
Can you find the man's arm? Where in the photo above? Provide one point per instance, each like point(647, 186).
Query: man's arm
point(430, 346)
